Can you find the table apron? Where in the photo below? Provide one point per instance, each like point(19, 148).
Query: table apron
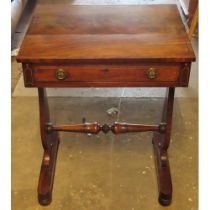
point(144, 75)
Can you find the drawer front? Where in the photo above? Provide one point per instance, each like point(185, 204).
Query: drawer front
point(105, 75)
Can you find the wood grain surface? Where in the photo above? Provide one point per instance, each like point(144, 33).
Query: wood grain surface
point(67, 33)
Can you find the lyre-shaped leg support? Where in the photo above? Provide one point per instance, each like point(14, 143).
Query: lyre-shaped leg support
point(50, 143)
point(161, 142)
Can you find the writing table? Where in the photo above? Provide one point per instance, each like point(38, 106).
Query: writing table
point(106, 46)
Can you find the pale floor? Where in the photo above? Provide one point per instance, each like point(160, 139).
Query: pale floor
point(104, 172)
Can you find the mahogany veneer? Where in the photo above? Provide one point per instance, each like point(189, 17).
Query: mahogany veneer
point(106, 46)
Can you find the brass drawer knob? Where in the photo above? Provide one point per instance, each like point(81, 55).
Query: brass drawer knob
point(60, 74)
point(152, 73)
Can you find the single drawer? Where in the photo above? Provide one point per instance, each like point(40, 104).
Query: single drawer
point(67, 75)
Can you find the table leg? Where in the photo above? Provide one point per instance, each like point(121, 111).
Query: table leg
point(161, 142)
point(50, 143)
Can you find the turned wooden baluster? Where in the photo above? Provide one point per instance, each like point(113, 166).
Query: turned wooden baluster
point(93, 128)
point(118, 128)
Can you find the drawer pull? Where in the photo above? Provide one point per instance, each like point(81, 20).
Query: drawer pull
point(60, 74)
point(151, 73)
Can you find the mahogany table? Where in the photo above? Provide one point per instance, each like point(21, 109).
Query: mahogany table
point(106, 46)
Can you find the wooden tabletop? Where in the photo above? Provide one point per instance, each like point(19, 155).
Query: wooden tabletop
point(67, 33)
